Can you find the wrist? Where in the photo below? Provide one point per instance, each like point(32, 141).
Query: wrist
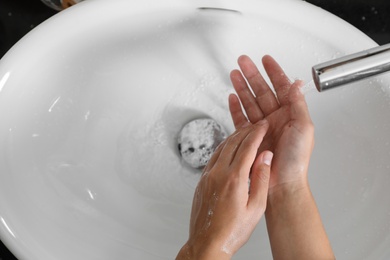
point(292, 215)
point(202, 251)
point(288, 192)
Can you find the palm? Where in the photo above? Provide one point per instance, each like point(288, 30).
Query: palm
point(290, 133)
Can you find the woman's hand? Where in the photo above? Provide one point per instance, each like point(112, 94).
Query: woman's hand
point(291, 133)
point(225, 208)
point(291, 137)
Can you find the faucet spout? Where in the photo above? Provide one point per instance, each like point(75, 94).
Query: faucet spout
point(351, 68)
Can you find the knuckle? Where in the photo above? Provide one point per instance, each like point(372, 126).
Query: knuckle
point(263, 173)
point(233, 180)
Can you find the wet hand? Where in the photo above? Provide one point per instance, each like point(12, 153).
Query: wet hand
point(225, 209)
point(291, 132)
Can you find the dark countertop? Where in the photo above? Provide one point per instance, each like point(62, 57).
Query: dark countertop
point(18, 17)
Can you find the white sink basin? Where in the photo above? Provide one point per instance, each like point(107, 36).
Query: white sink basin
point(91, 102)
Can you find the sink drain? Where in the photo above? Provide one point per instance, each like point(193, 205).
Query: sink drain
point(198, 140)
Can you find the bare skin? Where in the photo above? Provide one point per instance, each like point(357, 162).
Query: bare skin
point(293, 221)
point(224, 210)
point(272, 147)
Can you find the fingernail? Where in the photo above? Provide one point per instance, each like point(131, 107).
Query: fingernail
point(267, 158)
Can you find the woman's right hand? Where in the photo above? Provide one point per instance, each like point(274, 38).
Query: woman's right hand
point(291, 133)
point(225, 210)
point(294, 224)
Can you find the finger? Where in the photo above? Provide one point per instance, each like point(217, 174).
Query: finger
point(260, 176)
point(247, 150)
point(299, 109)
point(231, 146)
point(248, 101)
point(214, 157)
point(265, 97)
point(278, 78)
point(236, 112)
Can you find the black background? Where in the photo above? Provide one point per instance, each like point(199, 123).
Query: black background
point(18, 17)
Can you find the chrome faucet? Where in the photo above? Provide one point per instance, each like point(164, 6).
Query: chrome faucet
point(351, 68)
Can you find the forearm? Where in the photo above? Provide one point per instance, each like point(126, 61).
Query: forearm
point(295, 227)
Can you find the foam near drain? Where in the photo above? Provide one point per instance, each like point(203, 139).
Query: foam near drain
point(198, 140)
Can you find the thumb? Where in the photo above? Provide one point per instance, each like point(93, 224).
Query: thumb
point(259, 184)
point(299, 110)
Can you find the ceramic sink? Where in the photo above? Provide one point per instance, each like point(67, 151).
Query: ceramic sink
point(92, 100)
